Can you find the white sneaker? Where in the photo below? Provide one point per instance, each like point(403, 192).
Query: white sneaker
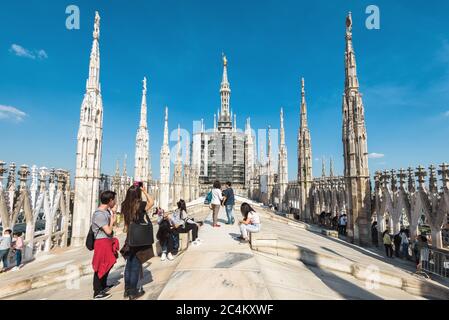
point(15, 268)
point(170, 256)
point(164, 256)
point(196, 243)
point(199, 240)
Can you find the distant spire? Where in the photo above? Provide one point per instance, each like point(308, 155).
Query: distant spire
point(225, 71)
point(93, 83)
point(215, 122)
point(166, 127)
point(143, 111)
point(125, 173)
point(179, 154)
point(202, 125)
point(187, 161)
point(117, 168)
point(269, 143)
point(235, 122)
point(282, 128)
point(224, 116)
point(331, 167)
point(303, 105)
point(323, 169)
point(352, 81)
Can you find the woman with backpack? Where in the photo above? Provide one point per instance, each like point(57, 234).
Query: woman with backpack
point(138, 245)
point(216, 203)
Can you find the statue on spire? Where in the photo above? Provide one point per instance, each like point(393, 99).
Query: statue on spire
point(349, 23)
point(97, 26)
point(225, 60)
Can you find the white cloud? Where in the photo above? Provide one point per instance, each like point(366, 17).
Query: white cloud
point(42, 54)
point(20, 51)
point(11, 113)
point(376, 156)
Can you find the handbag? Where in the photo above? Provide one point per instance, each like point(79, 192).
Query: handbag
point(140, 234)
point(145, 254)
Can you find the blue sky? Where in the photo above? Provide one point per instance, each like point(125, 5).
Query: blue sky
point(403, 71)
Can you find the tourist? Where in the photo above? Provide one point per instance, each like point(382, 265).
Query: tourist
point(322, 218)
point(17, 246)
point(229, 202)
point(216, 202)
point(250, 222)
point(165, 235)
point(105, 245)
point(397, 243)
point(387, 243)
point(335, 222)
point(405, 242)
point(135, 210)
point(343, 224)
point(184, 224)
point(423, 252)
point(374, 234)
point(5, 247)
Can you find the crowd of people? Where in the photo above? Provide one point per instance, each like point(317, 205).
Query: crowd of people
point(138, 246)
point(11, 246)
point(339, 222)
point(400, 245)
point(397, 245)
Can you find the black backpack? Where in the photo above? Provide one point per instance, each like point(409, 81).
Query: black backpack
point(90, 239)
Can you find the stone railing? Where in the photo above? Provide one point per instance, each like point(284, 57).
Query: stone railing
point(40, 208)
point(405, 197)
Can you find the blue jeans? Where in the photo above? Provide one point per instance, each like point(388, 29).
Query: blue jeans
point(405, 250)
point(133, 271)
point(249, 228)
point(18, 257)
point(171, 244)
point(4, 257)
point(230, 213)
point(175, 238)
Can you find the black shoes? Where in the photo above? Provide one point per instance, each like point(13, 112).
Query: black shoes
point(102, 296)
point(136, 296)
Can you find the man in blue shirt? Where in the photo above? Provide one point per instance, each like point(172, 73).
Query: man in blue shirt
point(229, 202)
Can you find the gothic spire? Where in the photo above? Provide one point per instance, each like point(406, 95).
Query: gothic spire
point(179, 153)
point(331, 167)
point(187, 161)
point(166, 127)
point(282, 128)
point(303, 124)
point(124, 166)
point(269, 143)
point(323, 167)
point(143, 111)
point(352, 82)
point(117, 168)
point(224, 116)
point(93, 83)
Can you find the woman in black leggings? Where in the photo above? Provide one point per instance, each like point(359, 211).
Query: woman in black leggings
point(184, 224)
